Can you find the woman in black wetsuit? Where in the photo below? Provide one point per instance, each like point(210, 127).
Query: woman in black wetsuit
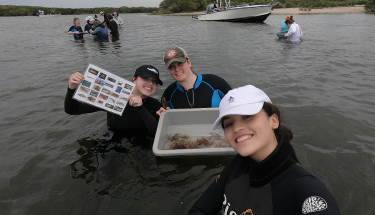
point(140, 112)
point(265, 176)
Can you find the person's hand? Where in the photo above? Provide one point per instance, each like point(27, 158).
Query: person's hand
point(86, 32)
point(90, 31)
point(74, 80)
point(135, 100)
point(162, 110)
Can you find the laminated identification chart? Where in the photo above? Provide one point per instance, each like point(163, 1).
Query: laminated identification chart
point(104, 90)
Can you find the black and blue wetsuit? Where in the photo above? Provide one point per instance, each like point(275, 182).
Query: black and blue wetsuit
point(74, 28)
point(207, 92)
point(278, 185)
point(88, 27)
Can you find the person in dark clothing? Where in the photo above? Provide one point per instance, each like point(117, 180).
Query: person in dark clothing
point(104, 17)
point(265, 177)
point(101, 30)
point(140, 111)
point(76, 29)
point(112, 25)
point(190, 90)
point(90, 22)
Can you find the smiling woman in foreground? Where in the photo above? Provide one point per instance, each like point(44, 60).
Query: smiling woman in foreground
point(265, 177)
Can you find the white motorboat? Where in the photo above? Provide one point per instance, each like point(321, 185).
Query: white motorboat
point(236, 13)
point(41, 14)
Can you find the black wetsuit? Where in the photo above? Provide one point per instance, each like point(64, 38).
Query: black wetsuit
point(207, 92)
point(278, 185)
point(74, 28)
point(143, 116)
point(112, 25)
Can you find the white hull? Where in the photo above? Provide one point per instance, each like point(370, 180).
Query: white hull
point(49, 15)
point(252, 13)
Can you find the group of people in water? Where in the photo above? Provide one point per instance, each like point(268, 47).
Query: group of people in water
point(265, 177)
point(294, 33)
point(95, 26)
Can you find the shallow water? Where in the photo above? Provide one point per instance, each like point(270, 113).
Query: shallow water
point(51, 162)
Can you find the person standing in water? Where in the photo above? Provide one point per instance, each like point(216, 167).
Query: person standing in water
point(76, 29)
point(265, 177)
point(283, 25)
point(140, 111)
point(295, 32)
point(190, 90)
point(117, 19)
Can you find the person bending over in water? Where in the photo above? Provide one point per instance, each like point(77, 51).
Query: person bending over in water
point(76, 29)
point(265, 177)
point(283, 25)
point(190, 90)
point(295, 32)
point(101, 30)
point(140, 112)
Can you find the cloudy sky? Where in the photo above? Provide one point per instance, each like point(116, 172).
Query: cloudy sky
point(83, 3)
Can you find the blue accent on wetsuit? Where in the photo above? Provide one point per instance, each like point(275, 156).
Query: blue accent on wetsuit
point(217, 94)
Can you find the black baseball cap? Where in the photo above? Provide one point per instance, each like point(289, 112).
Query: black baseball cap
point(146, 71)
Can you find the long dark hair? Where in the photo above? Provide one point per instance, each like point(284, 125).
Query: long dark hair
point(281, 131)
point(290, 20)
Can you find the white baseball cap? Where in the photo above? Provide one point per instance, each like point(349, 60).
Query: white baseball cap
point(246, 100)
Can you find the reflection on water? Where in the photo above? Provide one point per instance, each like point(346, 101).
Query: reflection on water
point(117, 161)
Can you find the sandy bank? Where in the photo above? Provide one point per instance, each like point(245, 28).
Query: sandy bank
point(292, 11)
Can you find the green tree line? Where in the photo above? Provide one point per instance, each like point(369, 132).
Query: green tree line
point(176, 6)
point(9, 10)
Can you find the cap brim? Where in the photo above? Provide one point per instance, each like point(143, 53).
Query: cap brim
point(249, 109)
point(177, 59)
point(146, 76)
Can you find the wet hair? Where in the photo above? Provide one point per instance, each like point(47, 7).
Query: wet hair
point(75, 19)
point(280, 131)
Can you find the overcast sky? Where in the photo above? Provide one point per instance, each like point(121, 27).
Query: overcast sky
point(83, 3)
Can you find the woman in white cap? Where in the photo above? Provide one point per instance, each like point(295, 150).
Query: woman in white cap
point(265, 177)
point(190, 90)
point(90, 21)
point(140, 111)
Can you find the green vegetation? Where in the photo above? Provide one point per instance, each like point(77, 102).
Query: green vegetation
point(176, 6)
point(9, 10)
point(370, 6)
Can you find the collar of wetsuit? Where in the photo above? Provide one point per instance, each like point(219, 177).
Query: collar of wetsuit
point(277, 162)
point(198, 81)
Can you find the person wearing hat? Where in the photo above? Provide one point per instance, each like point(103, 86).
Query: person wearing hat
point(265, 177)
point(283, 25)
point(190, 90)
point(117, 19)
point(90, 21)
point(106, 20)
point(140, 111)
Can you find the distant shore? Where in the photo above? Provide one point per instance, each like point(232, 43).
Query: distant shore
point(292, 11)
